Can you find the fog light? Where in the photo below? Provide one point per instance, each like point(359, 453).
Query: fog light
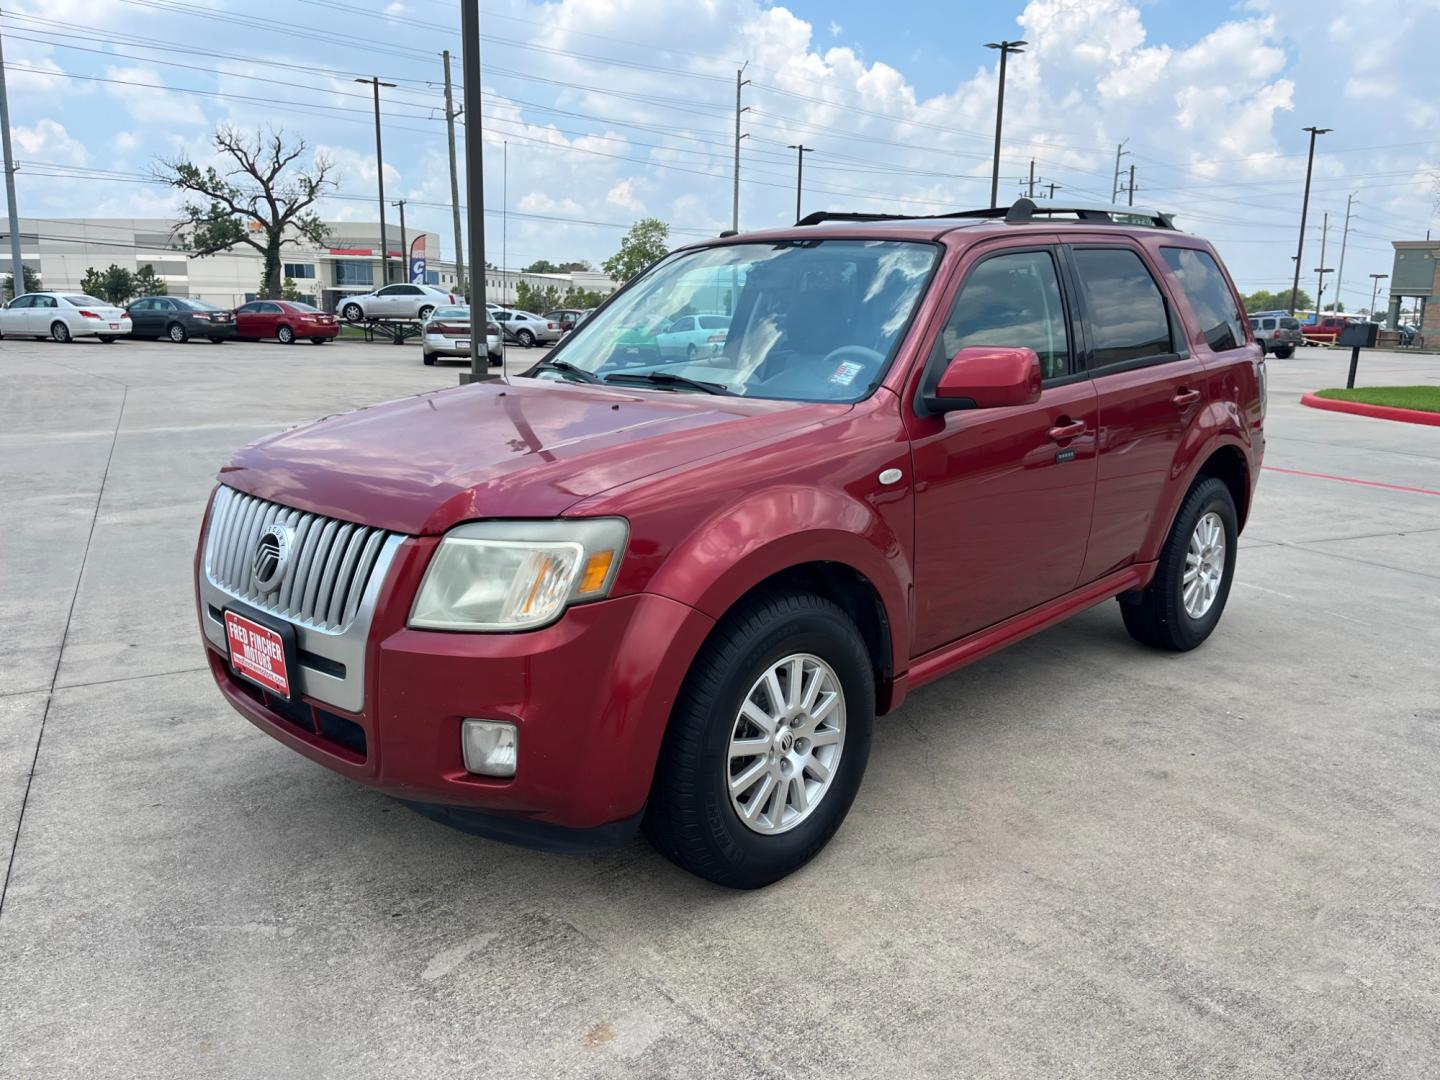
point(490, 747)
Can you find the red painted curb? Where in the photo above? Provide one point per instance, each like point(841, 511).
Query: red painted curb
point(1378, 412)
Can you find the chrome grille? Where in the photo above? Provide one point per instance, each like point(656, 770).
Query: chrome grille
point(330, 564)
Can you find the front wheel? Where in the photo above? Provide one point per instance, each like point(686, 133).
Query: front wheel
point(177, 333)
point(768, 742)
point(1285, 352)
point(319, 340)
point(106, 339)
point(286, 335)
point(425, 312)
point(59, 331)
point(1182, 605)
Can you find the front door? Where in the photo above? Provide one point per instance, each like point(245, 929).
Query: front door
point(143, 318)
point(1150, 390)
point(1003, 496)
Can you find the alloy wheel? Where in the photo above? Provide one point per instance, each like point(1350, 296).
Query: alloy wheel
point(1204, 566)
point(60, 332)
point(785, 744)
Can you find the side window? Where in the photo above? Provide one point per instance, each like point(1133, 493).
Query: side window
point(45, 302)
point(1012, 300)
point(21, 302)
point(1269, 324)
point(1126, 311)
point(714, 322)
point(246, 309)
point(680, 325)
point(270, 309)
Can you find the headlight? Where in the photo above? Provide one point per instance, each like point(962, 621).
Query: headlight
point(517, 575)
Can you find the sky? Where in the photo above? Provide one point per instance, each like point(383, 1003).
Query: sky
point(598, 112)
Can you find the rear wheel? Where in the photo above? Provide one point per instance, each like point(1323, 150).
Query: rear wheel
point(1284, 352)
point(428, 359)
point(218, 340)
point(352, 313)
point(525, 338)
point(177, 333)
point(1183, 604)
point(319, 340)
point(286, 335)
point(768, 742)
point(59, 331)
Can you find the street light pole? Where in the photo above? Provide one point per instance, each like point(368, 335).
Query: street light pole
point(735, 199)
point(1375, 280)
point(474, 184)
point(17, 267)
point(376, 84)
point(1305, 209)
point(800, 152)
point(1006, 48)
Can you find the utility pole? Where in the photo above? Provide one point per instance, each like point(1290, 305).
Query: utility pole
point(1115, 183)
point(1006, 48)
point(1131, 188)
point(735, 201)
point(17, 267)
point(1030, 193)
point(1375, 280)
point(1053, 186)
point(376, 84)
point(450, 114)
point(504, 228)
point(1344, 239)
point(404, 245)
point(1321, 270)
point(1304, 209)
point(800, 152)
point(474, 184)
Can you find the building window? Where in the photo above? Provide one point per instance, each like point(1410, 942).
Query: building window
point(354, 273)
point(299, 270)
point(432, 278)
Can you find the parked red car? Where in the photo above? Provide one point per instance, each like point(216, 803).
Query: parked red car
point(285, 320)
point(625, 590)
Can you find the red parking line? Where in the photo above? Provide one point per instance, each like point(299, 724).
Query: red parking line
point(1350, 480)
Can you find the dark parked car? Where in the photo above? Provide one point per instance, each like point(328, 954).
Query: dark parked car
point(285, 321)
point(676, 593)
point(179, 318)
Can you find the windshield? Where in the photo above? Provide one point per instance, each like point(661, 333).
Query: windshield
point(814, 320)
point(87, 301)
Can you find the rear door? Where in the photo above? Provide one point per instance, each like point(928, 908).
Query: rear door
point(1150, 392)
point(1002, 496)
point(43, 313)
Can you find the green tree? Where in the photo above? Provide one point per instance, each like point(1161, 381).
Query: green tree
point(263, 199)
point(574, 265)
point(115, 283)
point(581, 298)
point(541, 266)
point(642, 245)
point(290, 292)
point(147, 284)
point(1264, 300)
point(30, 278)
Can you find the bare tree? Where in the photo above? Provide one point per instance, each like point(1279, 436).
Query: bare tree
point(264, 199)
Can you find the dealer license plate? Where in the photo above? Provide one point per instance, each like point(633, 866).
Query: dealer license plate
point(257, 653)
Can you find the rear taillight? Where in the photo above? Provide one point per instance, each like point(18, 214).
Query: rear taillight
point(89, 315)
point(125, 314)
point(451, 296)
point(551, 326)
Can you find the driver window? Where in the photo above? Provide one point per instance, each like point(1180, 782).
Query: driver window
point(1014, 301)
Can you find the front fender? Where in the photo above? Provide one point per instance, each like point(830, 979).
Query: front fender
point(781, 527)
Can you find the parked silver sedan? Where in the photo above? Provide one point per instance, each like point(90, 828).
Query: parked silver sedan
point(447, 333)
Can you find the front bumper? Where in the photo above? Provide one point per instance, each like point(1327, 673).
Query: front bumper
point(215, 331)
point(590, 697)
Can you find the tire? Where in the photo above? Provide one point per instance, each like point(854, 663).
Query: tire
point(285, 335)
point(1158, 615)
point(690, 353)
point(106, 339)
point(692, 818)
point(525, 339)
point(1284, 352)
point(59, 331)
point(177, 333)
point(428, 359)
point(218, 340)
point(1264, 349)
point(495, 359)
point(352, 313)
point(318, 340)
point(424, 312)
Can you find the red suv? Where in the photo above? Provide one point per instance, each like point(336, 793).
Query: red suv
point(627, 589)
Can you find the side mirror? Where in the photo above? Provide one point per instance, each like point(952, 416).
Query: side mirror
point(987, 377)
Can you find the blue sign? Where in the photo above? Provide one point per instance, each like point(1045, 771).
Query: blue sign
point(417, 269)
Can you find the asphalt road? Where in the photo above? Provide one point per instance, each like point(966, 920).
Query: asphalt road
point(1076, 858)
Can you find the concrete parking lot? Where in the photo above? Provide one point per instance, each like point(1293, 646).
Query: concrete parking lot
point(1075, 858)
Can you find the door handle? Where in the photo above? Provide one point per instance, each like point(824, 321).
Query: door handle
point(1184, 398)
point(1061, 432)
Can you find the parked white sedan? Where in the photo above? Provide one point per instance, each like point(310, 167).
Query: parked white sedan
point(399, 301)
point(63, 316)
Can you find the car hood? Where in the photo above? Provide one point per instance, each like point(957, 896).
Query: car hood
point(527, 449)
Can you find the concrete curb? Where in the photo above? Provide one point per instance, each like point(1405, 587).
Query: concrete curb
point(1378, 412)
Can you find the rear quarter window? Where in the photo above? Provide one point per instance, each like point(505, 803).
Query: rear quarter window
point(1205, 287)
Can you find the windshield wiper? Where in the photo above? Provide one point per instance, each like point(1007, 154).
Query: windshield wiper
point(667, 378)
point(567, 368)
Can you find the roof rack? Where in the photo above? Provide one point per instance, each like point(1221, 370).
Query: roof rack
point(1021, 212)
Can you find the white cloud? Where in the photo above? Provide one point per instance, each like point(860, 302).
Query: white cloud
point(48, 141)
point(143, 92)
point(836, 29)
